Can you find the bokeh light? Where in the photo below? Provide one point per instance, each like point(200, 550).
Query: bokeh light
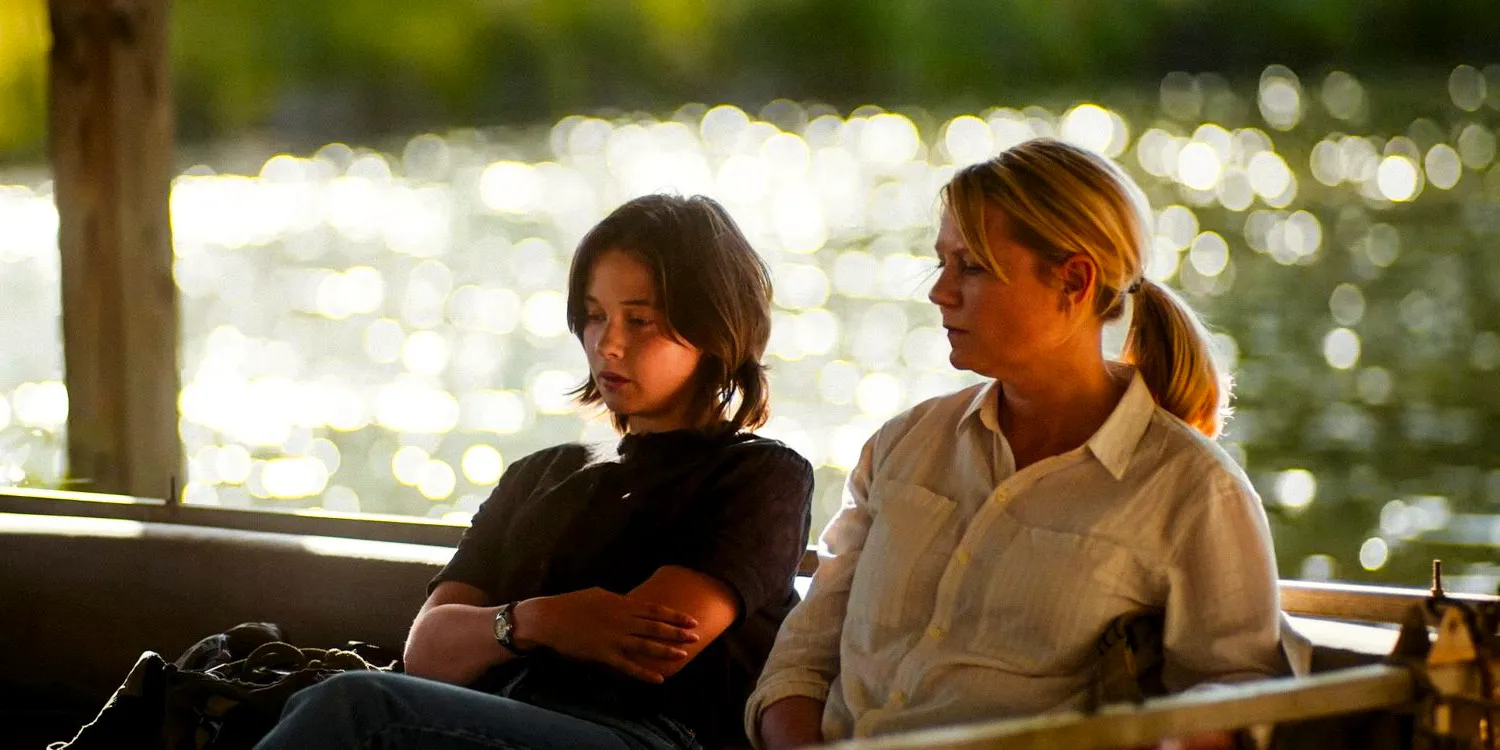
point(1374, 553)
point(1444, 168)
point(1466, 86)
point(1343, 96)
point(482, 464)
point(1198, 166)
point(1398, 178)
point(1341, 348)
point(383, 330)
point(1296, 488)
point(1280, 99)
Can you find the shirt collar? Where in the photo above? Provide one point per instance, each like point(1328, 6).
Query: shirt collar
point(1112, 444)
point(1115, 440)
point(671, 442)
point(984, 405)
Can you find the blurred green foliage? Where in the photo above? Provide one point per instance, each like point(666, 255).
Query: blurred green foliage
point(23, 75)
point(300, 74)
point(307, 69)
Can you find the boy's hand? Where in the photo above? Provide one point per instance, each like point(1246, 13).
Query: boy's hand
point(606, 628)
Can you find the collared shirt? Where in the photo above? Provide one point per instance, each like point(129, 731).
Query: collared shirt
point(954, 588)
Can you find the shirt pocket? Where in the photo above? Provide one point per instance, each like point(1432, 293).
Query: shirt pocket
point(1050, 597)
point(898, 562)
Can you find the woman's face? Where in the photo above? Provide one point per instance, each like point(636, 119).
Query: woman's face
point(641, 372)
point(1000, 328)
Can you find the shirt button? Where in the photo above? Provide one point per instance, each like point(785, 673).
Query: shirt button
point(963, 557)
point(935, 632)
point(898, 697)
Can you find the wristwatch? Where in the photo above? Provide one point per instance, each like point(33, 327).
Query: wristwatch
point(505, 629)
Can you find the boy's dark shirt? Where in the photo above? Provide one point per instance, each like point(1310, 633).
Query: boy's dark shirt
point(735, 507)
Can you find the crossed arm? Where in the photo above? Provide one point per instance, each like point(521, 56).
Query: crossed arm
point(649, 633)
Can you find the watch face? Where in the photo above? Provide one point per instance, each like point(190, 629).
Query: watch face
point(502, 626)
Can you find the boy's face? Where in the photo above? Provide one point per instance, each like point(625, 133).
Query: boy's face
point(641, 371)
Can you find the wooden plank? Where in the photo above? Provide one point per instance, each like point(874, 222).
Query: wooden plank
point(1342, 601)
point(364, 526)
point(111, 128)
point(1361, 603)
point(1234, 707)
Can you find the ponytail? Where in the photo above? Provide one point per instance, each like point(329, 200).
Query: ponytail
point(1169, 346)
point(1063, 201)
point(749, 382)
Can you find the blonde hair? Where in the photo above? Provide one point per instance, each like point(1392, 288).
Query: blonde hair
point(1063, 201)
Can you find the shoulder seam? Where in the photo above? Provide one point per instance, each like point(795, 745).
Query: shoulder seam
point(761, 442)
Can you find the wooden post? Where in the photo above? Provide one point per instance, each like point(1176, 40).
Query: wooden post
point(111, 122)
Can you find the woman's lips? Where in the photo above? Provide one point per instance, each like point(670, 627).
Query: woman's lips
point(612, 381)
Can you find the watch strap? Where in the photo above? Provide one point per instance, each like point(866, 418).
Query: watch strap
point(506, 635)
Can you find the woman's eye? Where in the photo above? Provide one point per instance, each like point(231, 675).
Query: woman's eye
point(640, 322)
point(964, 267)
point(594, 317)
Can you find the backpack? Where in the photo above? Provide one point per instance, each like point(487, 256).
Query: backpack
point(223, 693)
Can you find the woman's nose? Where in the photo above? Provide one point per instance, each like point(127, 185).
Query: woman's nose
point(944, 291)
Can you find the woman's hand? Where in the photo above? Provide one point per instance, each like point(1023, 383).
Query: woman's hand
point(1204, 741)
point(617, 631)
point(791, 723)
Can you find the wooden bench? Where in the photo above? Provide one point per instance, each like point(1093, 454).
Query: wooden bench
point(82, 597)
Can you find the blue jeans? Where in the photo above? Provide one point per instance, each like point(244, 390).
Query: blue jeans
point(368, 710)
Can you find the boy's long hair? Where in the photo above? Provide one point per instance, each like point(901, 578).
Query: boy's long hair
point(715, 294)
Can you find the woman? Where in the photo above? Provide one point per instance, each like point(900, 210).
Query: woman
point(620, 597)
point(987, 537)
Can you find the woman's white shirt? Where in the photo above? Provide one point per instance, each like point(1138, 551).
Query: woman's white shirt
point(953, 588)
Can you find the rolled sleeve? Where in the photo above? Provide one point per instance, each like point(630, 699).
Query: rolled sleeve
point(1223, 614)
point(805, 658)
point(767, 695)
point(486, 540)
point(754, 539)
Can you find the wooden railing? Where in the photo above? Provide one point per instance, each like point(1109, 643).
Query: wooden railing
point(1368, 688)
point(1361, 603)
point(379, 528)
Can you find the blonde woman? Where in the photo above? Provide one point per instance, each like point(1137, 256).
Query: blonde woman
point(987, 537)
